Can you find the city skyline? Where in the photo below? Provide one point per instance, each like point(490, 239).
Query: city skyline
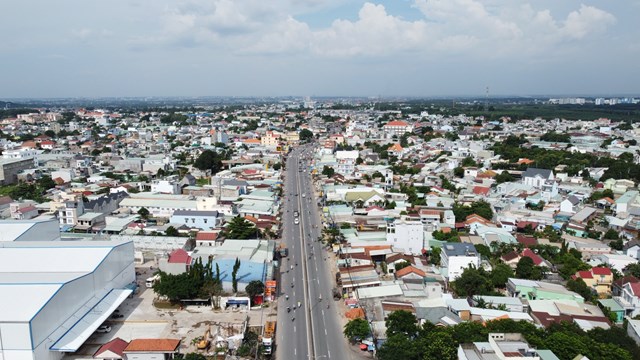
point(417, 48)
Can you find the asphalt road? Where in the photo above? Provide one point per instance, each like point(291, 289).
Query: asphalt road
point(313, 330)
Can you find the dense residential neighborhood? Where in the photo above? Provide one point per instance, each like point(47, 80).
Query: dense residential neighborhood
point(451, 235)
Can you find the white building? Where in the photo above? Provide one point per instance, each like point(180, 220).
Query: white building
point(346, 162)
point(55, 294)
point(406, 235)
point(165, 186)
point(456, 257)
point(537, 177)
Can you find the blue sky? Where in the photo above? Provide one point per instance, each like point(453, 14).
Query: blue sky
point(318, 47)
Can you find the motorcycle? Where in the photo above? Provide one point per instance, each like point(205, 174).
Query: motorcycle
point(288, 309)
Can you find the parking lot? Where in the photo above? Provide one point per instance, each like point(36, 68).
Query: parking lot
point(141, 319)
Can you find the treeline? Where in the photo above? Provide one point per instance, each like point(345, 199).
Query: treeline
point(511, 149)
point(408, 341)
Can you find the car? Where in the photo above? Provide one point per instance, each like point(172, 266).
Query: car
point(304, 195)
point(296, 213)
point(296, 221)
point(103, 329)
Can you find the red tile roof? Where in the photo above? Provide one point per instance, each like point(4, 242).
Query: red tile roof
point(396, 123)
point(115, 346)
point(481, 190)
point(585, 274)
point(153, 345)
point(206, 236)
point(410, 269)
point(179, 256)
point(510, 256)
point(601, 271)
point(537, 260)
point(527, 241)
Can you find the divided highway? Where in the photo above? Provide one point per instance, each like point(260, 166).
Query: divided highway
point(312, 330)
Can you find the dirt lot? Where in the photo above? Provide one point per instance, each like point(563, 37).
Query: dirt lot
point(141, 319)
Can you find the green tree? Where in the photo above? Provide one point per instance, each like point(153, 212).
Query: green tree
point(401, 322)
point(503, 177)
point(611, 234)
point(401, 265)
point(254, 288)
point(398, 347)
point(500, 275)
point(211, 160)
point(440, 347)
point(305, 135)
point(579, 286)
point(471, 282)
point(526, 269)
point(240, 228)
point(328, 171)
point(144, 213)
point(632, 269)
point(171, 231)
point(434, 256)
point(46, 183)
point(356, 329)
point(458, 172)
point(194, 356)
point(234, 275)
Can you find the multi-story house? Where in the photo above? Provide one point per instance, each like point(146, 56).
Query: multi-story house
point(456, 257)
point(599, 279)
point(397, 127)
point(270, 139)
point(346, 162)
point(406, 235)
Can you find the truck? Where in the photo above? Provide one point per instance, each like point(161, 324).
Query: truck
point(269, 337)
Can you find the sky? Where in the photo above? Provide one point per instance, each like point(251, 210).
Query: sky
point(422, 48)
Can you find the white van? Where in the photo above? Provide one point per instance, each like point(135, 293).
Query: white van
point(152, 280)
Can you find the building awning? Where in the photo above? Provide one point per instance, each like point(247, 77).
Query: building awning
point(88, 320)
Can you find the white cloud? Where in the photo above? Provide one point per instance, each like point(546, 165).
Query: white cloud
point(448, 26)
point(374, 33)
point(587, 20)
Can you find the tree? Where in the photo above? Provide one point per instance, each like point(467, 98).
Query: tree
point(254, 288)
point(305, 134)
point(144, 213)
point(579, 286)
point(234, 275)
point(524, 269)
point(434, 256)
point(401, 322)
point(240, 228)
point(471, 282)
point(171, 231)
point(356, 329)
point(194, 356)
point(458, 172)
point(611, 234)
point(328, 171)
point(440, 347)
point(397, 347)
point(211, 160)
point(401, 265)
point(500, 275)
point(632, 269)
point(481, 208)
point(46, 182)
point(503, 177)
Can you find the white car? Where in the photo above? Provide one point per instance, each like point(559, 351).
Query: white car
point(304, 195)
point(103, 329)
point(296, 221)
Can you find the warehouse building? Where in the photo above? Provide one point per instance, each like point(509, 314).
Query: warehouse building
point(55, 294)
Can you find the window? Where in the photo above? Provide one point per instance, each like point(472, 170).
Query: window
point(205, 220)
